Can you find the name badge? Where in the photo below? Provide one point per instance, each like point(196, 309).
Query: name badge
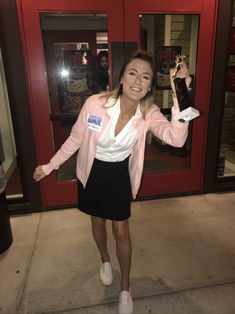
point(94, 122)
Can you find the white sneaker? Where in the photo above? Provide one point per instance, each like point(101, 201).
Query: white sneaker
point(106, 275)
point(125, 305)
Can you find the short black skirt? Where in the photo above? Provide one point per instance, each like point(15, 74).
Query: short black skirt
point(108, 191)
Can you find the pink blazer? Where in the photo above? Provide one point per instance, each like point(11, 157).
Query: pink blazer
point(93, 119)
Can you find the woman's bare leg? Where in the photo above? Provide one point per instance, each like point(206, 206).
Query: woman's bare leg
point(100, 236)
point(123, 250)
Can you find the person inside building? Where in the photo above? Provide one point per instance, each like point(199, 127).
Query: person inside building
point(101, 74)
point(109, 136)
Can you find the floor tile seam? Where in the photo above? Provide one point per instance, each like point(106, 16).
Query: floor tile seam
point(149, 295)
point(28, 267)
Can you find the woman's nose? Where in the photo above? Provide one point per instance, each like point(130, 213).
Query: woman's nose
point(138, 79)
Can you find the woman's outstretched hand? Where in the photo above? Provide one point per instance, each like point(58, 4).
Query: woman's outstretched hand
point(38, 174)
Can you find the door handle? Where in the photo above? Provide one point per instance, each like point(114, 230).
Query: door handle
point(64, 117)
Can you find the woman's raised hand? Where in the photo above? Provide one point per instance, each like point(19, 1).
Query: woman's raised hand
point(183, 72)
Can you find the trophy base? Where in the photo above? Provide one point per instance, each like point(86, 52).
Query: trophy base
point(187, 114)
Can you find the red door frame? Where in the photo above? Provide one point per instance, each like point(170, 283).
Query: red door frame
point(119, 31)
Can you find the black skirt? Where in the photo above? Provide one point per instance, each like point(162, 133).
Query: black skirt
point(108, 191)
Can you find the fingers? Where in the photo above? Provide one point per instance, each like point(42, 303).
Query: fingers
point(171, 79)
point(38, 174)
point(183, 72)
point(188, 80)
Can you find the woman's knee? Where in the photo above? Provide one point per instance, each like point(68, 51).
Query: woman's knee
point(98, 223)
point(121, 231)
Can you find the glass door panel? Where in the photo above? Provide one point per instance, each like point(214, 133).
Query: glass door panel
point(226, 159)
point(76, 54)
point(167, 36)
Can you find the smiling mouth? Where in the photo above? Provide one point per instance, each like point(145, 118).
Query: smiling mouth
point(135, 89)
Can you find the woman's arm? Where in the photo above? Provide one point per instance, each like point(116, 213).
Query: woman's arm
point(170, 132)
point(70, 146)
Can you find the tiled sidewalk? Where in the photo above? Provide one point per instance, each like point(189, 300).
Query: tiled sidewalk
point(183, 260)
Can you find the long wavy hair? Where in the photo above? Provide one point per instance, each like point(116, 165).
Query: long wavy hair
point(147, 100)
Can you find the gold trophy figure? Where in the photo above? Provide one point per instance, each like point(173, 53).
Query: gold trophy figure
point(187, 112)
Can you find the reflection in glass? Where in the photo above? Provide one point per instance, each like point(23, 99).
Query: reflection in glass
point(72, 44)
point(167, 36)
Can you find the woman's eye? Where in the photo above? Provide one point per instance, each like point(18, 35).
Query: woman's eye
point(132, 73)
point(146, 77)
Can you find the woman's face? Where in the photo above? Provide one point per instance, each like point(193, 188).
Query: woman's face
point(104, 63)
point(137, 79)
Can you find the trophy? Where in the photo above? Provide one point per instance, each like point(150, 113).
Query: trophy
point(187, 112)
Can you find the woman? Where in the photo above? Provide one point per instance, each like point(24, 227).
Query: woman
point(110, 135)
point(101, 73)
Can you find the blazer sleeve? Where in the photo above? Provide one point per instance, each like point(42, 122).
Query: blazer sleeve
point(72, 144)
point(171, 132)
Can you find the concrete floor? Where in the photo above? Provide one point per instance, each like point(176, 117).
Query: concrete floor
point(183, 260)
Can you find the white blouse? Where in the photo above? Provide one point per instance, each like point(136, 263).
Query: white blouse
point(117, 148)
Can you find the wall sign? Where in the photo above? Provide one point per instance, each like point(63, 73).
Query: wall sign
point(165, 58)
point(78, 64)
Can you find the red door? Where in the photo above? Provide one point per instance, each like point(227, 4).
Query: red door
point(189, 25)
point(61, 37)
